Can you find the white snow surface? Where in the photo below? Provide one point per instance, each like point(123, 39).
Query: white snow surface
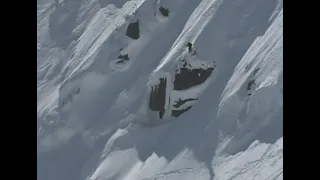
point(94, 122)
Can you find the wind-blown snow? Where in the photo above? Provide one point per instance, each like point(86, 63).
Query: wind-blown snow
point(114, 104)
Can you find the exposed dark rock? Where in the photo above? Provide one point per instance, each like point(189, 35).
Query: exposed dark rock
point(248, 66)
point(133, 30)
point(121, 61)
point(177, 113)
point(187, 78)
point(189, 45)
point(78, 91)
point(250, 83)
point(255, 71)
point(123, 58)
point(164, 11)
point(157, 98)
point(181, 102)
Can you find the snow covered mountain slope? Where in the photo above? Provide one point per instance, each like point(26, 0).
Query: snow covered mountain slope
point(122, 95)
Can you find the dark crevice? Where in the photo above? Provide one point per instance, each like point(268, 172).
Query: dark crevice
point(177, 113)
point(255, 71)
point(181, 102)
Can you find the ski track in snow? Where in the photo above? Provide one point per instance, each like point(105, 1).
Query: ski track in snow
point(93, 117)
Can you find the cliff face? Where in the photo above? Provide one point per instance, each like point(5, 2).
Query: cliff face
point(187, 77)
point(157, 97)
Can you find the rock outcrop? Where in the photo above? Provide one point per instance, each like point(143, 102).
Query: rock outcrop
point(164, 11)
point(133, 30)
point(180, 102)
point(157, 98)
point(187, 77)
point(122, 58)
